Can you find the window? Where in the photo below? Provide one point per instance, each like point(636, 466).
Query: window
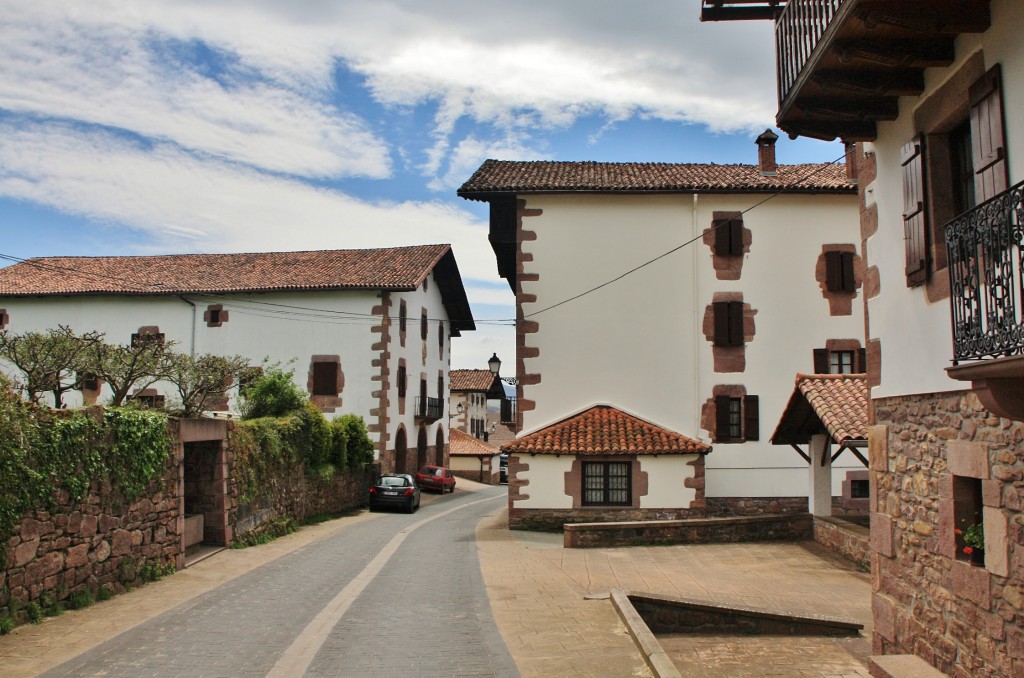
point(728, 323)
point(88, 381)
point(728, 236)
point(423, 325)
point(440, 338)
point(967, 513)
point(737, 419)
point(839, 272)
point(607, 483)
point(149, 398)
point(401, 379)
point(843, 361)
point(957, 161)
point(147, 335)
point(440, 388)
point(325, 379)
point(401, 316)
point(860, 489)
point(4, 318)
point(215, 315)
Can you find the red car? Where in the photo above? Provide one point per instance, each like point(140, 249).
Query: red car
point(436, 478)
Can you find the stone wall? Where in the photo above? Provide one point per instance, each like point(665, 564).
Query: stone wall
point(692, 531)
point(847, 539)
point(552, 520)
point(752, 506)
point(95, 543)
point(930, 600)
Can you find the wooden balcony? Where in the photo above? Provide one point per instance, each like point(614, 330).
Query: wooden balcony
point(843, 64)
point(428, 409)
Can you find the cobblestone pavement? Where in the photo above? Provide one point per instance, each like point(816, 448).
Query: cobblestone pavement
point(425, 613)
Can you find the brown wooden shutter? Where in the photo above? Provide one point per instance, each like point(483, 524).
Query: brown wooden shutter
point(721, 418)
point(821, 361)
point(915, 221)
point(721, 313)
point(728, 236)
point(735, 323)
point(751, 418)
point(861, 366)
point(849, 281)
point(987, 136)
point(834, 271)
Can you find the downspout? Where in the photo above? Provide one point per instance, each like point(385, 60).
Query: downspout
point(696, 325)
point(192, 348)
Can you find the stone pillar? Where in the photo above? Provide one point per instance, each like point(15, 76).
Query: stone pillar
point(819, 496)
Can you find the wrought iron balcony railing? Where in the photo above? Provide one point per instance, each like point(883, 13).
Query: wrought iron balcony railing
point(429, 408)
point(797, 32)
point(986, 258)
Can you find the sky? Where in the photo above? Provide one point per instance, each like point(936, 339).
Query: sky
point(165, 127)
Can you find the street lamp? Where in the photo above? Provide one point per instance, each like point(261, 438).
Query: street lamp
point(494, 365)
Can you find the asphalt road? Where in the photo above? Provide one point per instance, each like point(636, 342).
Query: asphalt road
point(394, 595)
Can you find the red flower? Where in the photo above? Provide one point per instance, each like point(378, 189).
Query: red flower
point(968, 550)
point(958, 531)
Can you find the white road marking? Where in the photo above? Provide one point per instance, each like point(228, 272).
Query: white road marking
point(296, 659)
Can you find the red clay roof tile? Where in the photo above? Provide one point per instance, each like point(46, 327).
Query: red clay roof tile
point(839, 401)
point(603, 429)
point(505, 176)
point(462, 444)
point(386, 268)
point(471, 380)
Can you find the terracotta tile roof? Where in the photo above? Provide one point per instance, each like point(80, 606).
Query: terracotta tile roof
point(388, 268)
point(505, 176)
point(603, 429)
point(839, 402)
point(464, 445)
point(471, 380)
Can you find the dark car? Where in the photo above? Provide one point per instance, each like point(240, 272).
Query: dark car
point(397, 490)
point(503, 467)
point(436, 478)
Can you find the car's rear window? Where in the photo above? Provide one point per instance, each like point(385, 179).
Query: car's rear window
point(427, 471)
point(393, 482)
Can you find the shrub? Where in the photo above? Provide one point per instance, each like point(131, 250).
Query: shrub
point(6, 625)
point(34, 612)
point(104, 593)
point(81, 599)
point(359, 446)
point(272, 394)
point(339, 443)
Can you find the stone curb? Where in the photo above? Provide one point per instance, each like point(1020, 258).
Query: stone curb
point(649, 647)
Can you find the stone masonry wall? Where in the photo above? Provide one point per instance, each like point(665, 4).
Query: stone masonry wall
point(97, 542)
point(723, 507)
point(965, 619)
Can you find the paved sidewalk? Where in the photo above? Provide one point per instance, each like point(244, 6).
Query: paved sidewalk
point(536, 590)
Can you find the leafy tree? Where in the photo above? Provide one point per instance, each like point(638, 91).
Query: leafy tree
point(139, 364)
point(202, 379)
point(359, 445)
point(272, 394)
point(339, 443)
point(55, 360)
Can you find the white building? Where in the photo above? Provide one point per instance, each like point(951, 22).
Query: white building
point(930, 92)
point(365, 331)
point(685, 295)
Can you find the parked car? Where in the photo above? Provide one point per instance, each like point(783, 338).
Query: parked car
point(503, 467)
point(436, 478)
point(397, 490)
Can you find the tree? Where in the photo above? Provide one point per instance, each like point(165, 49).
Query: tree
point(359, 446)
point(55, 360)
point(139, 364)
point(202, 379)
point(272, 394)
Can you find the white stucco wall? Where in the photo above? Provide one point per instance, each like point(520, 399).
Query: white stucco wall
point(665, 478)
point(915, 334)
point(467, 463)
point(546, 477)
point(638, 343)
point(257, 329)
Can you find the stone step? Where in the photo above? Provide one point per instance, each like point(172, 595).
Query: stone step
point(902, 666)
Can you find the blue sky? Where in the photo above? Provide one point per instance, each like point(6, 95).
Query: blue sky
point(257, 125)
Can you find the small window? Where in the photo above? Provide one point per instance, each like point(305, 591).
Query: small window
point(728, 317)
point(840, 362)
point(737, 419)
point(147, 337)
point(325, 379)
point(440, 388)
point(440, 338)
point(89, 382)
point(846, 361)
point(215, 315)
point(4, 318)
point(968, 517)
point(401, 316)
point(839, 275)
point(149, 399)
point(860, 489)
point(423, 325)
point(607, 483)
point(728, 236)
point(401, 380)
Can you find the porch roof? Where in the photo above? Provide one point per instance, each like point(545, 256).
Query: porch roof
point(836, 404)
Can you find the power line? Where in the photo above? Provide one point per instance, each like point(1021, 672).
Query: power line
point(679, 247)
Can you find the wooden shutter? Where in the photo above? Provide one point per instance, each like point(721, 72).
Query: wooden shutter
point(721, 313)
point(834, 271)
point(721, 418)
point(751, 418)
point(915, 222)
point(848, 280)
point(728, 236)
point(735, 323)
point(325, 378)
point(987, 136)
point(821, 361)
point(861, 364)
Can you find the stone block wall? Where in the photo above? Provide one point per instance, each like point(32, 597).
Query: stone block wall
point(847, 539)
point(753, 506)
point(552, 520)
point(97, 542)
point(930, 600)
point(692, 531)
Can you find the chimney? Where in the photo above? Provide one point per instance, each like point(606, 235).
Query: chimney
point(766, 153)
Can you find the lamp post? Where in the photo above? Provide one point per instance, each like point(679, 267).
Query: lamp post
point(494, 365)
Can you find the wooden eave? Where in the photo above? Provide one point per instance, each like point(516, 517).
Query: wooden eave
point(871, 53)
point(740, 10)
